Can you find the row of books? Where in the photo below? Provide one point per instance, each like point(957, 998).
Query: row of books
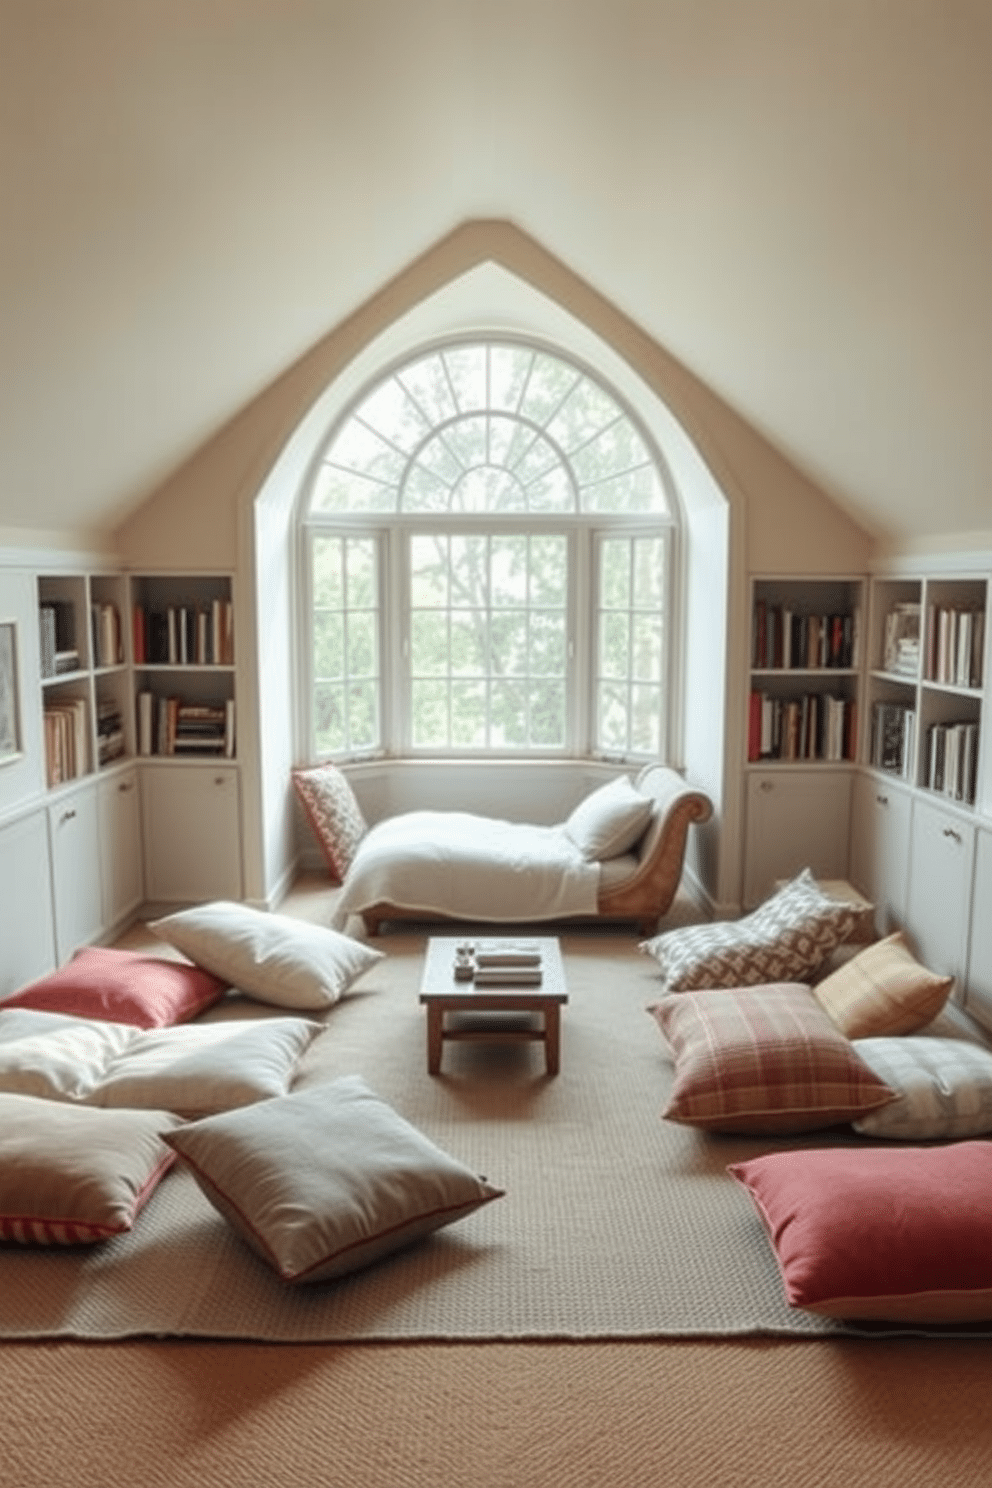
point(784, 638)
point(109, 731)
point(952, 760)
point(185, 635)
point(59, 653)
point(66, 746)
point(955, 645)
point(893, 738)
point(901, 639)
point(108, 640)
point(815, 726)
point(168, 725)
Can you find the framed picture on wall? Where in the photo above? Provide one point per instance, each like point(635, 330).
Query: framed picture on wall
point(10, 733)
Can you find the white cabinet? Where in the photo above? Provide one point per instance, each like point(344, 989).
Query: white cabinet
point(27, 930)
point(191, 819)
point(122, 878)
point(940, 887)
point(795, 819)
point(74, 844)
point(978, 992)
point(881, 818)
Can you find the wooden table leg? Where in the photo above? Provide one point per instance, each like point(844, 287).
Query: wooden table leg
point(552, 1038)
point(435, 1037)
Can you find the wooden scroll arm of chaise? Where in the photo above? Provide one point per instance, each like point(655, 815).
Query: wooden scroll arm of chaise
point(645, 895)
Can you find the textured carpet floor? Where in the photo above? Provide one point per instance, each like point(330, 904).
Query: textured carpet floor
point(615, 1223)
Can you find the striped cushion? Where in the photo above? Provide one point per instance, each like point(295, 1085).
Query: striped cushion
point(762, 1060)
point(883, 990)
point(70, 1175)
point(786, 939)
point(944, 1088)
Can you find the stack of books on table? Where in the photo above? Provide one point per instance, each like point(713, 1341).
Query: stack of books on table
point(508, 964)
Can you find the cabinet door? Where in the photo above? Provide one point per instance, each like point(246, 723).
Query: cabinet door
point(942, 852)
point(27, 930)
point(120, 845)
point(978, 992)
point(880, 827)
point(192, 833)
point(796, 819)
point(74, 838)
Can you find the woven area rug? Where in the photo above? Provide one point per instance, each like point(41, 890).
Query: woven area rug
point(615, 1223)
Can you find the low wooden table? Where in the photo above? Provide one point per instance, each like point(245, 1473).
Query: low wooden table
point(441, 993)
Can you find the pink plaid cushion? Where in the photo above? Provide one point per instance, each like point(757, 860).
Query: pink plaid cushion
point(333, 812)
point(762, 1060)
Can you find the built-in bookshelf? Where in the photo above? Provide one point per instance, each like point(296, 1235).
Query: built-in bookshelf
point(132, 666)
point(806, 641)
point(926, 680)
point(182, 637)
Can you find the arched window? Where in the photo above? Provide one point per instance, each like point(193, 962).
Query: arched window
point(489, 540)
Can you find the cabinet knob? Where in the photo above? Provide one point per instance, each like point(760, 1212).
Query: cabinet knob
point(950, 832)
point(125, 786)
point(766, 785)
point(66, 816)
point(219, 780)
point(882, 800)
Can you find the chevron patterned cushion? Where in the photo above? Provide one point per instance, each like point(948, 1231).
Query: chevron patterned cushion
point(785, 940)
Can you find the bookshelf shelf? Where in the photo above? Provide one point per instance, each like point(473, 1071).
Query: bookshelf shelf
point(805, 672)
point(925, 719)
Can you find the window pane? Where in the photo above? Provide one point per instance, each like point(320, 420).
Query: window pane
point(636, 491)
point(429, 570)
point(508, 368)
point(509, 644)
point(468, 715)
point(362, 659)
point(429, 723)
point(649, 572)
point(328, 644)
point(613, 717)
point(345, 641)
point(329, 718)
point(509, 571)
point(548, 571)
point(549, 382)
point(614, 573)
point(547, 715)
point(646, 658)
point(428, 386)
point(547, 646)
point(467, 370)
point(363, 724)
point(328, 571)
point(469, 570)
point(393, 414)
point(468, 643)
point(645, 722)
point(429, 643)
point(614, 645)
point(508, 715)
point(357, 448)
point(360, 572)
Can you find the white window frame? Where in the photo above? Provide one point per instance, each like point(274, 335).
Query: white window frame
point(392, 531)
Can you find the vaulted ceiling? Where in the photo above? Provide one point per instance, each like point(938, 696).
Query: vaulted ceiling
point(794, 197)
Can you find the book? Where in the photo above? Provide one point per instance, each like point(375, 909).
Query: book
point(508, 976)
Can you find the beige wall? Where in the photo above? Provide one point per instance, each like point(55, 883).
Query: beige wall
point(202, 517)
